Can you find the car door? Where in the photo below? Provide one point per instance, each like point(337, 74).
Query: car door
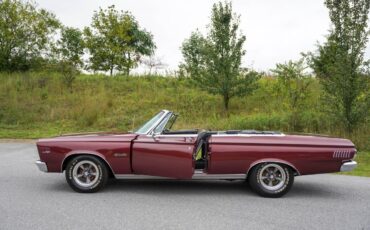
point(164, 155)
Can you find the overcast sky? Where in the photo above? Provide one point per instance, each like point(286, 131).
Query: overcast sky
point(276, 30)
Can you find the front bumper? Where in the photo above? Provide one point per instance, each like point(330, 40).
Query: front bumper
point(42, 166)
point(348, 166)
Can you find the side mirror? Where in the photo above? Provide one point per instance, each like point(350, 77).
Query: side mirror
point(154, 136)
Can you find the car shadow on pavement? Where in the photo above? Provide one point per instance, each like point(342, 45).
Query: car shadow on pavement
point(314, 189)
point(178, 187)
point(204, 188)
point(199, 188)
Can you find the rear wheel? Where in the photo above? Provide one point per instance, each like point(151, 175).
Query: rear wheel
point(86, 174)
point(271, 179)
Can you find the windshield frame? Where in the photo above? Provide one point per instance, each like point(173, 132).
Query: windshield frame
point(169, 119)
point(155, 123)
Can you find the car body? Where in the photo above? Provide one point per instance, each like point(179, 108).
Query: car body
point(154, 151)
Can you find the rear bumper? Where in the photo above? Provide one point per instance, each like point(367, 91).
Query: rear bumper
point(348, 166)
point(42, 166)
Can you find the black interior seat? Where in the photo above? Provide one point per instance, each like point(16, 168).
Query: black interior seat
point(201, 143)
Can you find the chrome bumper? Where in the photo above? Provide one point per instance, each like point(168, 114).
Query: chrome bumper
point(348, 166)
point(42, 166)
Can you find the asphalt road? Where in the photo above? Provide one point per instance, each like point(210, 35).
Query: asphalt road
point(30, 199)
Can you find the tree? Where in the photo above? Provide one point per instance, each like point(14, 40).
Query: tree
point(70, 48)
point(25, 33)
point(153, 62)
point(116, 41)
point(339, 62)
point(214, 62)
point(293, 83)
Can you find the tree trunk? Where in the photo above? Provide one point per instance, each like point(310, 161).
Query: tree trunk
point(111, 71)
point(128, 71)
point(226, 101)
point(348, 116)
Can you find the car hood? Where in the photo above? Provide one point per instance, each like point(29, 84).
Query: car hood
point(90, 137)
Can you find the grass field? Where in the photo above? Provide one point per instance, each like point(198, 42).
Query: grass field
point(35, 105)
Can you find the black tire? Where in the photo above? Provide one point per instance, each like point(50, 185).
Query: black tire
point(266, 182)
point(86, 174)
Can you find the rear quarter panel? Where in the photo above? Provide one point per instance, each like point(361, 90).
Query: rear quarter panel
point(308, 155)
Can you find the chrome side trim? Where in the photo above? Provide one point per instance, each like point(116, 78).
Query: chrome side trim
point(342, 153)
point(42, 166)
point(196, 176)
point(249, 135)
point(348, 166)
point(205, 176)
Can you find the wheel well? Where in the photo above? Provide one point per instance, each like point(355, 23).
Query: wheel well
point(294, 170)
point(71, 157)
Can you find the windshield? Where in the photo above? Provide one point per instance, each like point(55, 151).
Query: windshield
point(146, 127)
point(163, 123)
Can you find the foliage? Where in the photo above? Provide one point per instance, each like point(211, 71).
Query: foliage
point(293, 84)
point(69, 73)
point(116, 42)
point(71, 46)
point(339, 62)
point(25, 34)
point(214, 61)
point(34, 105)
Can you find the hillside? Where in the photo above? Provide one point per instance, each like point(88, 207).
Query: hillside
point(34, 105)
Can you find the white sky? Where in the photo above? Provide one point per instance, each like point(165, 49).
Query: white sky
point(276, 30)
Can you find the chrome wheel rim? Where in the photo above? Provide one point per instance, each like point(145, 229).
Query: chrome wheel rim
point(272, 177)
point(85, 173)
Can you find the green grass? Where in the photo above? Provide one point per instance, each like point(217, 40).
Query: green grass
point(36, 105)
point(363, 168)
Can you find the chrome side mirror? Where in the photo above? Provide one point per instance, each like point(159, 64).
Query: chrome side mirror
point(154, 135)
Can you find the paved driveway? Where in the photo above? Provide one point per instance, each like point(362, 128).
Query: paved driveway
point(30, 199)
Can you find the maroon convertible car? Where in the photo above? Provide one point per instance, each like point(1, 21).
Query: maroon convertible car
point(267, 160)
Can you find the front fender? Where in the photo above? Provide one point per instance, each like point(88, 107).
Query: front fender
point(83, 152)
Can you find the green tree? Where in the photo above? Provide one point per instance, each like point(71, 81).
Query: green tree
point(214, 61)
point(339, 62)
point(116, 41)
point(293, 84)
point(25, 34)
point(70, 48)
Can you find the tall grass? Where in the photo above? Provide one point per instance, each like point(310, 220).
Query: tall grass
point(34, 105)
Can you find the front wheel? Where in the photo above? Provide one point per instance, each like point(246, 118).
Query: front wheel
point(271, 179)
point(86, 174)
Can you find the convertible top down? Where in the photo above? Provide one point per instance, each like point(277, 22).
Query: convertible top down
point(267, 160)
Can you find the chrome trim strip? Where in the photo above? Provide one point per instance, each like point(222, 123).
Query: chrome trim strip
point(177, 135)
point(249, 135)
point(196, 176)
point(342, 154)
point(42, 166)
point(348, 166)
